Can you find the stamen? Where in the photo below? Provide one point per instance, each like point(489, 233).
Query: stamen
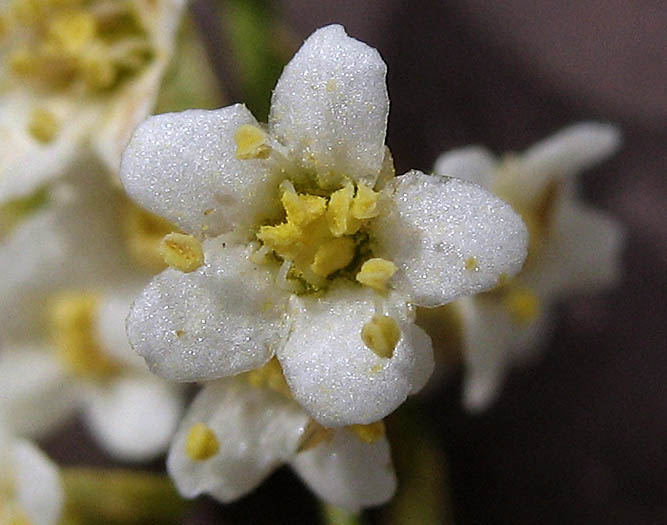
point(143, 234)
point(369, 433)
point(381, 334)
point(251, 143)
point(201, 443)
point(338, 212)
point(270, 376)
point(313, 435)
point(182, 252)
point(333, 255)
point(364, 205)
point(43, 125)
point(522, 304)
point(376, 273)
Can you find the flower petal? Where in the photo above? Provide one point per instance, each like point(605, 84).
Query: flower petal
point(39, 489)
point(183, 166)
point(348, 472)
point(134, 417)
point(222, 319)
point(256, 430)
point(330, 105)
point(473, 163)
point(330, 370)
point(448, 238)
point(35, 393)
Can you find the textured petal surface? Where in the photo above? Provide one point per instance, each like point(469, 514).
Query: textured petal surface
point(39, 489)
point(222, 319)
point(334, 375)
point(330, 105)
point(257, 430)
point(35, 393)
point(436, 227)
point(183, 167)
point(348, 472)
point(134, 418)
point(473, 163)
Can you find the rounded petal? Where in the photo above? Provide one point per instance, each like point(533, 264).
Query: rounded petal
point(134, 417)
point(183, 166)
point(330, 105)
point(256, 431)
point(448, 238)
point(348, 472)
point(39, 489)
point(222, 319)
point(331, 371)
point(473, 163)
point(36, 395)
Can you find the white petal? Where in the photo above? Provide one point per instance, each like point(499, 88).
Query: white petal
point(183, 167)
point(333, 374)
point(472, 163)
point(435, 226)
point(134, 417)
point(583, 254)
point(330, 105)
point(36, 394)
point(39, 489)
point(257, 430)
point(27, 163)
point(222, 319)
point(348, 472)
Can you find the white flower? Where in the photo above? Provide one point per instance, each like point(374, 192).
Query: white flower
point(574, 248)
point(30, 487)
point(312, 251)
point(76, 77)
point(67, 286)
point(239, 430)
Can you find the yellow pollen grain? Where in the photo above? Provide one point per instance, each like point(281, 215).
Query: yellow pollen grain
point(339, 218)
point(522, 304)
point(364, 205)
point(381, 334)
point(43, 125)
point(376, 273)
point(251, 143)
point(471, 264)
point(333, 255)
point(370, 433)
point(201, 443)
point(182, 252)
point(303, 209)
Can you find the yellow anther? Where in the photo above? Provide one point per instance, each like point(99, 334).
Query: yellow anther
point(98, 71)
point(71, 31)
point(270, 376)
point(201, 443)
point(381, 334)
point(376, 273)
point(333, 255)
point(182, 252)
point(471, 264)
point(522, 304)
point(338, 212)
point(251, 143)
point(303, 209)
point(370, 433)
point(43, 125)
point(364, 205)
point(313, 435)
point(22, 61)
point(72, 318)
point(143, 234)
point(280, 236)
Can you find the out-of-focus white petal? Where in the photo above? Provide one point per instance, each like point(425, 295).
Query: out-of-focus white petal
point(473, 163)
point(134, 417)
point(330, 105)
point(183, 166)
point(256, 430)
point(331, 371)
point(224, 318)
point(35, 393)
point(39, 489)
point(348, 472)
point(448, 238)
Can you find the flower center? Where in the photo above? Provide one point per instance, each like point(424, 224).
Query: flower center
point(85, 45)
point(72, 316)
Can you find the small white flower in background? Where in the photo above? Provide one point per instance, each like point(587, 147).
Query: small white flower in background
point(30, 486)
point(68, 283)
point(574, 248)
point(76, 76)
point(311, 250)
point(239, 430)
